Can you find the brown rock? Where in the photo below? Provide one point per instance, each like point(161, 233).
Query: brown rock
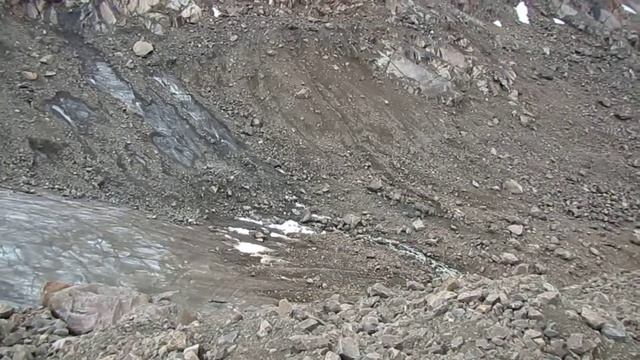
point(91, 306)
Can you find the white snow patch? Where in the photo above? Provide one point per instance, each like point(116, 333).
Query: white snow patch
point(629, 9)
point(558, 21)
point(497, 23)
point(240, 231)
point(249, 248)
point(216, 12)
point(249, 220)
point(279, 236)
point(289, 227)
point(523, 12)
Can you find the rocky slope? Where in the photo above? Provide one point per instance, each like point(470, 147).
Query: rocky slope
point(495, 142)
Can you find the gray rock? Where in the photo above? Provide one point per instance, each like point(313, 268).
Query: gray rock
point(6, 311)
point(369, 324)
point(498, 331)
point(456, 343)
point(375, 185)
point(309, 342)
point(577, 343)
point(418, 224)
point(635, 238)
point(304, 93)
point(592, 318)
point(264, 329)
point(380, 290)
point(512, 187)
point(13, 338)
point(142, 48)
point(469, 296)
point(509, 258)
point(391, 341)
point(228, 339)
point(332, 305)
point(330, 355)
point(415, 286)
point(563, 254)
point(309, 324)
point(348, 348)
point(614, 331)
point(284, 308)
point(516, 229)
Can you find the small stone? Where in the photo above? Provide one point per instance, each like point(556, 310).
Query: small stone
point(375, 185)
point(234, 37)
point(605, 102)
point(271, 52)
point(29, 75)
point(50, 73)
point(576, 343)
point(142, 48)
point(284, 308)
point(635, 238)
point(47, 59)
point(509, 258)
point(548, 297)
point(615, 332)
point(516, 229)
point(592, 318)
point(308, 342)
point(348, 348)
point(264, 329)
point(192, 353)
point(469, 296)
point(177, 340)
point(512, 187)
point(532, 334)
point(369, 324)
point(6, 311)
point(380, 290)
point(415, 286)
point(563, 254)
point(228, 339)
point(498, 331)
point(330, 355)
point(418, 224)
point(304, 93)
point(521, 269)
point(308, 324)
point(457, 342)
point(332, 305)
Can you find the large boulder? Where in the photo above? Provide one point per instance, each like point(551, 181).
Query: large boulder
point(88, 307)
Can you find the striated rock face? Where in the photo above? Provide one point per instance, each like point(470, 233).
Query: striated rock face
point(89, 307)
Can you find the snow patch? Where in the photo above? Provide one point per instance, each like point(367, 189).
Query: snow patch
point(279, 236)
point(497, 23)
point(558, 21)
point(523, 12)
point(290, 227)
point(249, 248)
point(629, 9)
point(249, 220)
point(216, 12)
point(240, 231)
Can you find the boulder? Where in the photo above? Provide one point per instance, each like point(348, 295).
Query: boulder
point(88, 307)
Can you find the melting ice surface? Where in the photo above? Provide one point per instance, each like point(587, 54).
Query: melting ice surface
point(523, 12)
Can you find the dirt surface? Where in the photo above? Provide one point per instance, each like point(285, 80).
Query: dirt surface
point(493, 150)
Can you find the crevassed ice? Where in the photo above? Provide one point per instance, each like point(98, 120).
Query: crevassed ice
point(523, 12)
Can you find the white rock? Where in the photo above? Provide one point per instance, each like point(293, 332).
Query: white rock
point(142, 48)
point(192, 13)
point(509, 258)
point(516, 229)
point(512, 186)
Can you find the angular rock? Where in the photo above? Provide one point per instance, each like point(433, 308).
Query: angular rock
point(6, 311)
point(456, 343)
point(192, 353)
point(88, 307)
point(264, 329)
point(415, 286)
point(308, 324)
point(418, 224)
point(516, 229)
point(30, 75)
point(375, 185)
point(304, 93)
point(563, 254)
point(142, 48)
point(308, 342)
point(512, 187)
point(284, 308)
point(348, 348)
point(369, 324)
point(330, 355)
point(498, 331)
point(614, 331)
point(592, 318)
point(380, 290)
point(576, 343)
point(192, 14)
point(469, 296)
point(509, 258)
